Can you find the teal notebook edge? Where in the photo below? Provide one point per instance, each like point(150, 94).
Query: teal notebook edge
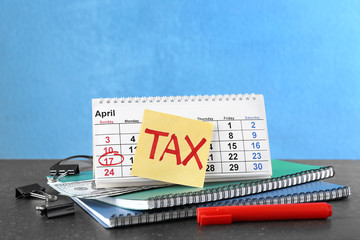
point(281, 170)
point(279, 167)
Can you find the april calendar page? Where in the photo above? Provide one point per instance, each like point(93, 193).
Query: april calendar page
point(239, 147)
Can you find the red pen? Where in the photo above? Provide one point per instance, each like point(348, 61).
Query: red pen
point(229, 214)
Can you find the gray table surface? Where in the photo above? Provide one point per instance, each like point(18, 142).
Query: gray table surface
point(18, 218)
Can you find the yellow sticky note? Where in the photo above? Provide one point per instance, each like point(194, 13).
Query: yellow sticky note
point(172, 149)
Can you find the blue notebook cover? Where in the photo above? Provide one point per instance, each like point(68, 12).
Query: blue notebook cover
point(111, 216)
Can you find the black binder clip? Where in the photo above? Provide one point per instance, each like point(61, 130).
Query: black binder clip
point(51, 210)
point(34, 190)
point(63, 170)
point(59, 168)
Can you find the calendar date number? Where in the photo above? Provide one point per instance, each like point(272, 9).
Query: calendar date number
point(111, 159)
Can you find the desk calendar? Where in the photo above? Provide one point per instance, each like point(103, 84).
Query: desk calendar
point(239, 147)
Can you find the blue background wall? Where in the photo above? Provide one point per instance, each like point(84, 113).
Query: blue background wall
point(55, 56)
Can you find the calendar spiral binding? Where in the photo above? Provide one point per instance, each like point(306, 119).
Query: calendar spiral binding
point(191, 98)
point(190, 211)
point(239, 190)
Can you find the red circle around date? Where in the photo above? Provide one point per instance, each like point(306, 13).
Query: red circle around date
point(111, 160)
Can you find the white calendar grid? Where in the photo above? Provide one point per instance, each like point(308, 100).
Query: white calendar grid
point(237, 146)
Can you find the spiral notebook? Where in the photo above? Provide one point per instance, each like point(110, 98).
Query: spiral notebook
point(239, 146)
point(111, 216)
point(285, 174)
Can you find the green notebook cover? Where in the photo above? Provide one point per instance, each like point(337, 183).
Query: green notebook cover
point(280, 169)
point(285, 174)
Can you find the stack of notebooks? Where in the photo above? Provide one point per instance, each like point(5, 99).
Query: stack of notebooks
point(290, 183)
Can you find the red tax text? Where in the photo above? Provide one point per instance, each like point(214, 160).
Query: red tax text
point(176, 151)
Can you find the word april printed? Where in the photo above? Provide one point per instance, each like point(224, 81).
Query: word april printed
point(172, 149)
point(110, 113)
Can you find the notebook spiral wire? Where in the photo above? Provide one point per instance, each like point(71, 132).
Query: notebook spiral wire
point(238, 190)
point(190, 211)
